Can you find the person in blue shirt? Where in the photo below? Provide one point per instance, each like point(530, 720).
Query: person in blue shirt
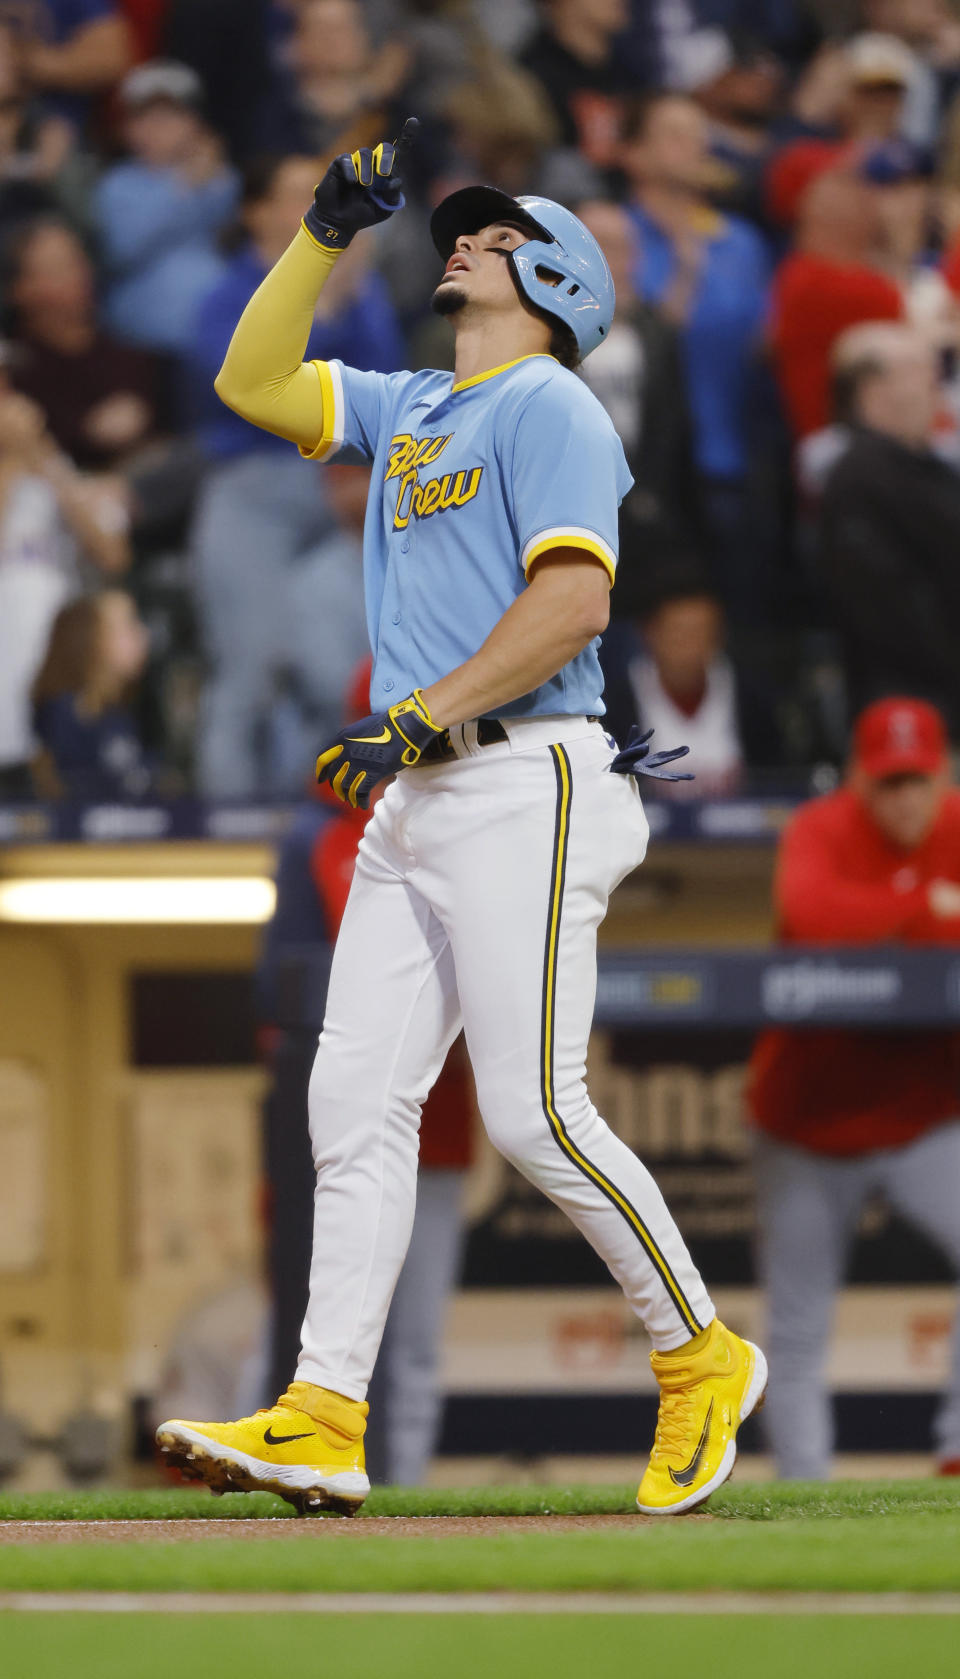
point(490, 546)
point(71, 51)
point(259, 513)
point(160, 212)
point(710, 274)
point(90, 746)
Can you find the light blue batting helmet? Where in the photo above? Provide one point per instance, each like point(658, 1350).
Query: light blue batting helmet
point(561, 270)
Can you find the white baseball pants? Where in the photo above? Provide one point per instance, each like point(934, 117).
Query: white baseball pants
point(480, 884)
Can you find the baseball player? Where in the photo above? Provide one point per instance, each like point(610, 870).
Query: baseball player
point(489, 551)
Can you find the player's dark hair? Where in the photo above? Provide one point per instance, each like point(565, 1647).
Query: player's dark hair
point(563, 345)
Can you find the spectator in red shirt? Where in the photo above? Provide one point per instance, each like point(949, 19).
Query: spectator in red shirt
point(842, 1114)
point(829, 282)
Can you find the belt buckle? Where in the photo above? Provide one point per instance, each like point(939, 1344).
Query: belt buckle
point(491, 732)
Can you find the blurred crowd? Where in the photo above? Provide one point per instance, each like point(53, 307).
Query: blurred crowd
point(776, 184)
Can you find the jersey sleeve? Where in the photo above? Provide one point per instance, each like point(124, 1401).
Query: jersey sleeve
point(569, 475)
point(354, 408)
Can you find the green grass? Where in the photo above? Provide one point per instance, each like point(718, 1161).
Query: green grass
point(765, 1501)
point(95, 1646)
point(187, 1503)
point(915, 1551)
point(853, 1536)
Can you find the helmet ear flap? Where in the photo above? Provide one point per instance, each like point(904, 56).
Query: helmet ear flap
point(563, 340)
point(566, 279)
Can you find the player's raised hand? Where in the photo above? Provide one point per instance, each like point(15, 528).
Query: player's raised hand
point(367, 752)
point(358, 190)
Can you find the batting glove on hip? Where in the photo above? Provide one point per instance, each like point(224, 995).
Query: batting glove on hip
point(367, 752)
point(636, 759)
point(359, 189)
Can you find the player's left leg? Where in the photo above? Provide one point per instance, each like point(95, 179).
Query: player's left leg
point(541, 838)
point(922, 1181)
point(391, 1015)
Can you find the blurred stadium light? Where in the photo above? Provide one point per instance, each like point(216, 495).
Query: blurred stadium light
point(229, 900)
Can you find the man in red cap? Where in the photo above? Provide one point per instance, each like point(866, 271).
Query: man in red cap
point(844, 1114)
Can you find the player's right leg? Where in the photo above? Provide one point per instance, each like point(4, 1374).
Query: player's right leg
point(392, 1013)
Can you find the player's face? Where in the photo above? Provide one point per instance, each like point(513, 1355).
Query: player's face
point(477, 275)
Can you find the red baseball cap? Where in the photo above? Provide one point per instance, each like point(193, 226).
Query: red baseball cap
point(900, 737)
point(794, 170)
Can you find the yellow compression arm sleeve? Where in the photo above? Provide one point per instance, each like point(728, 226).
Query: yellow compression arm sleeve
point(264, 376)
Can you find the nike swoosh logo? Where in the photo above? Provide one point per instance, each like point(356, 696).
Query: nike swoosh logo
point(271, 1439)
point(372, 740)
point(684, 1477)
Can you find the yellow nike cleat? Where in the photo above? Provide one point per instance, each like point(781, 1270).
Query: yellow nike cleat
point(703, 1400)
point(307, 1448)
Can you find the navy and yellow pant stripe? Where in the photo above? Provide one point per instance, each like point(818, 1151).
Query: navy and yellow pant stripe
point(561, 843)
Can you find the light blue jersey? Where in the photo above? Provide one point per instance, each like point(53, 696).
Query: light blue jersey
point(471, 484)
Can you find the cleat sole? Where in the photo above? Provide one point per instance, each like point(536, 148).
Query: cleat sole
point(224, 1470)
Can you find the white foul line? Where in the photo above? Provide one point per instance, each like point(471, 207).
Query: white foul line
point(485, 1603)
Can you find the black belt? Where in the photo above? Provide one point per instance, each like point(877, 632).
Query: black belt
point(489, 731)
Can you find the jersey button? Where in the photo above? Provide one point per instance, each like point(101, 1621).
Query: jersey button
point(397, 617)
point(404, 547)
point(389, 684)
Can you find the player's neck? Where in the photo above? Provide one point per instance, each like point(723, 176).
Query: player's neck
point(482, 346)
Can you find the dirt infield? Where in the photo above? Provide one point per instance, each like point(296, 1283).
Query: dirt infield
point(402, 1527)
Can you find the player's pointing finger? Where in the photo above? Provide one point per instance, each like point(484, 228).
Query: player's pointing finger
point(406, 137)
